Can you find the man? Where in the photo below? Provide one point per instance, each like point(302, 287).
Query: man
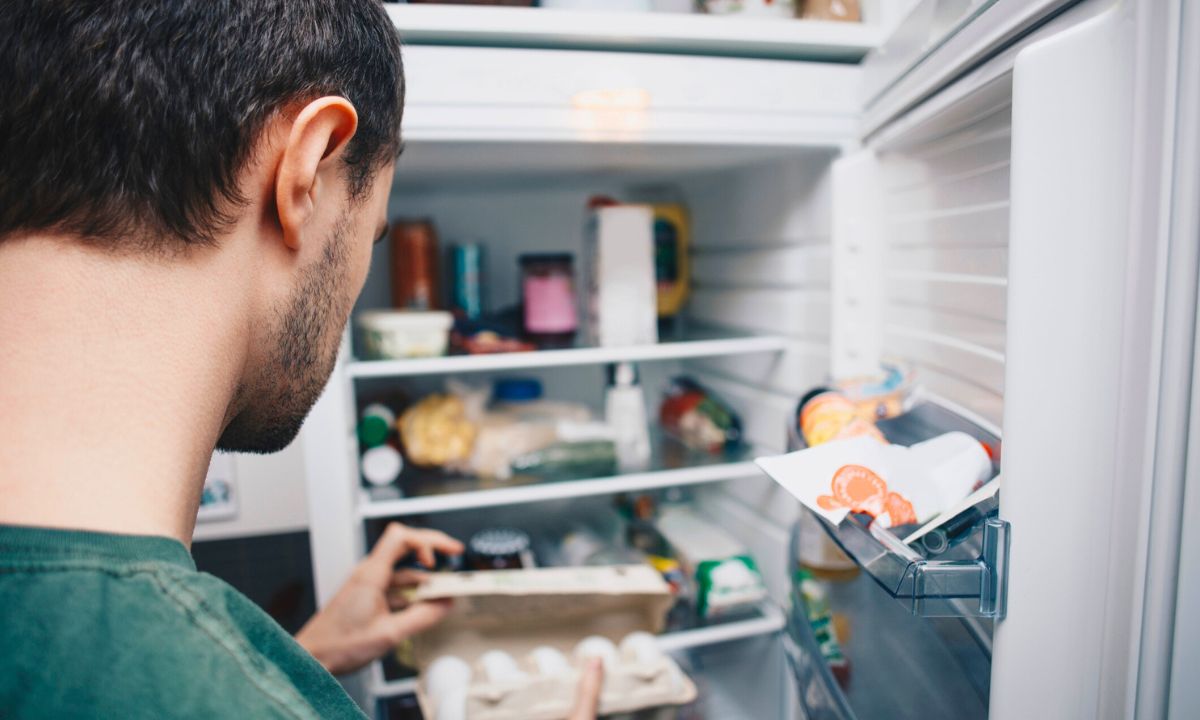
point(189, 191)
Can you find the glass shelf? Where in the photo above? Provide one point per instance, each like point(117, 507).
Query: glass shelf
point(671, 465)
point(694, 343)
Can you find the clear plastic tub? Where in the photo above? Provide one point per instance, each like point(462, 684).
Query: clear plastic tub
point(399, 334)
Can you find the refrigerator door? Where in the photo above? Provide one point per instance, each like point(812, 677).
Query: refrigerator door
point(1090, 252)
point(1077, 297)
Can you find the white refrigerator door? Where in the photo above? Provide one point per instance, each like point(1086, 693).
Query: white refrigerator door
point(1085, 343)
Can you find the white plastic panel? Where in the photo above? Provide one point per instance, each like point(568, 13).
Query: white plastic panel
point(943, 49)
point(1184, 663)
point(615, 29)
point(463, 94)
point(924, 258)
point(1075, 398)
point(762, 262)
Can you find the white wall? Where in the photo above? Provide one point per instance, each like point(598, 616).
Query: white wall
point(271, 496)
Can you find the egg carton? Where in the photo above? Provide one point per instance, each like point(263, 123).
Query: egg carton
point(516, 641)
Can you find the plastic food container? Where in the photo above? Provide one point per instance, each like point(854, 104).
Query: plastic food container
point(397, 334)
point(548, 291)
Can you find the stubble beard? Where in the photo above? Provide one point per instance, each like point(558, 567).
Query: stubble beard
point(272, 404)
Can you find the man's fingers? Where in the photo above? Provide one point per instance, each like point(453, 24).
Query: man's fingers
point(443, 542)
point(398, 541)
point(421, 616)
point(408, 578)
point(402, 585)
point(587, 695)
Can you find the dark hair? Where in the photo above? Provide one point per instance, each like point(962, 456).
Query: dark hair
point(127, 122)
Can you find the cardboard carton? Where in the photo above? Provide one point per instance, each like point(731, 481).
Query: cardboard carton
point(519, 610)
point(622, 294)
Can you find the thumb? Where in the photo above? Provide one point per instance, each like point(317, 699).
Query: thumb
point(587, 695)
point(413, 620)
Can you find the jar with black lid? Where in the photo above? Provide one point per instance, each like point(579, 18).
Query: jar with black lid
point(500, 548)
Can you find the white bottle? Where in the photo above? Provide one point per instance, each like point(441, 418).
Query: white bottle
point(625, 412)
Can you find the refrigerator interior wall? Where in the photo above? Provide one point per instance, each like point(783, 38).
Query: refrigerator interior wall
point(762, 263)
point(944, 255)
point(760, 221)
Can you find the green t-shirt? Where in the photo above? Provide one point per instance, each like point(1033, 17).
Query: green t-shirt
point(123, 626)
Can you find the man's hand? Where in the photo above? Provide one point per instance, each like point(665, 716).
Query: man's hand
point(587, 693)
point(368, 617)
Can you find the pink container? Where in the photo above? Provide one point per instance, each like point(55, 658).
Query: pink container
point(548, 289)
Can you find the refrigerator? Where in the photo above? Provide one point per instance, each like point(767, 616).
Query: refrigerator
point(999, 195)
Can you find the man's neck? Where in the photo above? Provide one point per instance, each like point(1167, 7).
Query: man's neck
point(115, 378)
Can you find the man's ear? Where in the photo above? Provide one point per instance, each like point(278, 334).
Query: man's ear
point(317, 139)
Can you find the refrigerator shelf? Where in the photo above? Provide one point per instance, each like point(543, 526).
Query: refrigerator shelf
point(696, 343)
point(671, 465)
point(653, 32)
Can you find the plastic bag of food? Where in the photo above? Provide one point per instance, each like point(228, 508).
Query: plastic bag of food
point(699, 419)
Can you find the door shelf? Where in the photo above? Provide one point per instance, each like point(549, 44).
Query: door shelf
point(969, 580)
point(767, 620)
point(672, 465)
point(694, 344)
point(931, 588)
point(639, 31)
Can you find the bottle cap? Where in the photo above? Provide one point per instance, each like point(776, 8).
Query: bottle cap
point(516, 390)
point(372, 431)
point(382, 465)
point(381, 411)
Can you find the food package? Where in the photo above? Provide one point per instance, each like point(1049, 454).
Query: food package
point(437, 431)
point(826, 414)
point(724, 577)
point(751, 8)
point(895, 485)
point(622, 295)
point(699, 419)
point(512, 429)
point(840, 10)
point(569, 460)
point(514, 643)
point(671, 258)
point(814, 601)
point(881, 395)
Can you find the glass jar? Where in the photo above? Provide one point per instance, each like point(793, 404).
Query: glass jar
point(414, 265)
point(548, 293)
point(500, 548)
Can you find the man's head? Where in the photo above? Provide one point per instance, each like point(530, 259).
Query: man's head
point(167, 131)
